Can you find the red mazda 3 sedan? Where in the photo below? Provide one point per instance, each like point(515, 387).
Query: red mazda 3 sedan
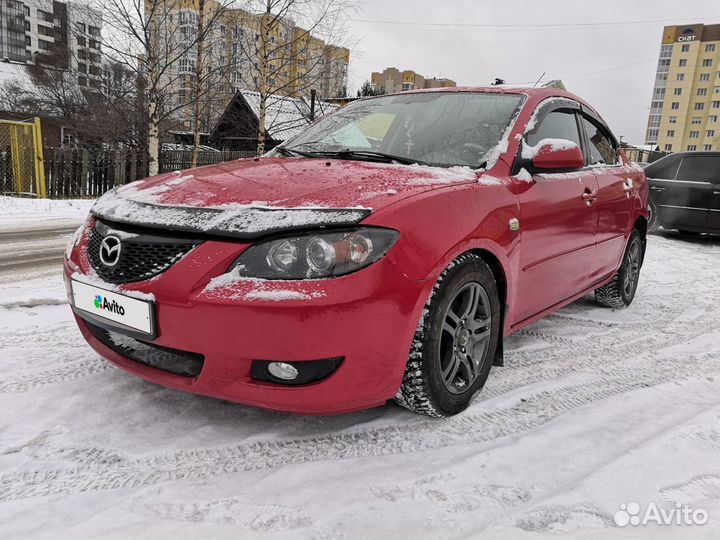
point(383, 253)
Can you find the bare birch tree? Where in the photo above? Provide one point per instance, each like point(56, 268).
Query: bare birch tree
point(158, 39)
point(291, 47)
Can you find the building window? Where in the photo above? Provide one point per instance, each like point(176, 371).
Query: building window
point(82, 68)
point(710, 47)
point(652, 135)
point(691, 147)
point(716, 104)
point(707, 147)
point(682, 62)
point(699, 106)
point(670, 133)
point(672, 120)
point(685, 47)
point(28, 41)
point(82, 81)
point(710, 133)
point(665, 51)
point(675, 105)
point(707, 62)
point(81, 41)
point(702, 91)
point(27, 26)
point(704, 77)
point(677, 91)
point(694, 135)
point(712, 119)
point(680, 76)
point(26, 10)
point(695, 120)
point(668, 147)
point(659, 93)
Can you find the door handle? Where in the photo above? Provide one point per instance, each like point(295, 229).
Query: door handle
point(654, 188)
point(716, 192)
point(589, 196)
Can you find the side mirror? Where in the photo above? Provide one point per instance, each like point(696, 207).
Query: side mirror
point(554, 154)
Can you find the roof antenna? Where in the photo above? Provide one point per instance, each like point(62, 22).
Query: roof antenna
point(538, 81)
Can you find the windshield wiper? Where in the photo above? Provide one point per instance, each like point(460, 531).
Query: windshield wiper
point(290, 152)
point(360, 154)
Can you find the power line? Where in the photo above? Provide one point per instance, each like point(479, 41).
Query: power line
point(533, 25)
point(578, 76)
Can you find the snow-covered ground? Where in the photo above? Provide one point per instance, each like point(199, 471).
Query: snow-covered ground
point(594, 408)
point(20, 213)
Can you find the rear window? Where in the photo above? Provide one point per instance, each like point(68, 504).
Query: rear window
point(699, 168)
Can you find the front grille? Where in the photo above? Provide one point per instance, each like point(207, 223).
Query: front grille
point(142, 255)
point(186, 364)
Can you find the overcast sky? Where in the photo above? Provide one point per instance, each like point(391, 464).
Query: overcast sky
point(611, 65)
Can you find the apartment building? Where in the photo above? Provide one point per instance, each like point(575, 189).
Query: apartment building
point(394, 80)
point(63, 34)
point(296, 61)
point(685, 107)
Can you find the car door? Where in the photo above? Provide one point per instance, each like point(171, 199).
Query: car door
point(616, 188)
point(557, 222)
point(713, 215)
point(684, 202)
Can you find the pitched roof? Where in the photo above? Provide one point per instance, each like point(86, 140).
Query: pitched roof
point(17, 72)
point(285, 117)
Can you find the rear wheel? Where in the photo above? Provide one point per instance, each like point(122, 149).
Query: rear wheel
point(621, 290)
point(653, 219)
point(455, 341)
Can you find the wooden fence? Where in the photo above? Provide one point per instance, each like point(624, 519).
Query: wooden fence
point(78, 173)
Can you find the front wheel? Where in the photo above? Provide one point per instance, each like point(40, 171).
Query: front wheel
point(620, 291)
point(455, 341)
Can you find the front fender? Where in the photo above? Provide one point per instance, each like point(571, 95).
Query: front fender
point(438, 226)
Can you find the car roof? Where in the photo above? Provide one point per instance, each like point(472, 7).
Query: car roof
point(689, 153)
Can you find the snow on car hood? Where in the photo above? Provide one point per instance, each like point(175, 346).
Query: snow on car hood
point(251, 197)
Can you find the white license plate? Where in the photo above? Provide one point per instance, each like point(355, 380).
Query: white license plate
point(111, 306)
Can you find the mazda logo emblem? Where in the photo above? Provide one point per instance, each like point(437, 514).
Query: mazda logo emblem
point(110, 250)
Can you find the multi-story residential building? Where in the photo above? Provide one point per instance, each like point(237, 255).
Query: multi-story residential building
point(296, 62)
point(685, 106)
point(62, 34)
point(394, 80)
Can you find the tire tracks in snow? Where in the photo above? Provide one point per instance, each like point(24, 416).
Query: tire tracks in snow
point(198, 464)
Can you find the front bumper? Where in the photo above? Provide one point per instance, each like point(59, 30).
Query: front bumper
point(368, 318)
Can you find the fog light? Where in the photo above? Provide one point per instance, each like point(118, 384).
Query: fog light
point(282, 370)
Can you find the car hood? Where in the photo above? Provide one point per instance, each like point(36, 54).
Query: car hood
point(250, 197)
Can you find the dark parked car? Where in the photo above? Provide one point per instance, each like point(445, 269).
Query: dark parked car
point(685, 192)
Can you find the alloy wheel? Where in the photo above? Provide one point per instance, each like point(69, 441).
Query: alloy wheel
point(465, 338)
point(632, 270)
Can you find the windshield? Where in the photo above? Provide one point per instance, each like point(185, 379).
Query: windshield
point(439, 128)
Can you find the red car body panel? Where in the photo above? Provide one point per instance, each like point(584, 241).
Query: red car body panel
point(565, 248)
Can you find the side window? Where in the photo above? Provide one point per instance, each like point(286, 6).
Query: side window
point(555, 125)
point(602, 150)
point(668, 172)
point(698, 169)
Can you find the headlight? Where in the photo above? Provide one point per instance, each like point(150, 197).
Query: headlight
point(317, 255)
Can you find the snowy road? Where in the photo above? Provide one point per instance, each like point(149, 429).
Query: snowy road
point(36, 249)
point(594, 408)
